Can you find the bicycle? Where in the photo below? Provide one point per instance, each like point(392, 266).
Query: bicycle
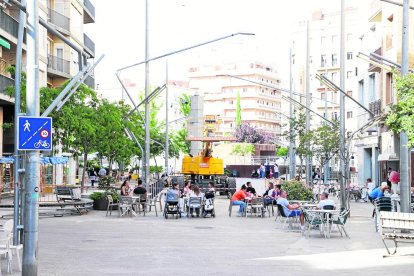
point(41, 143)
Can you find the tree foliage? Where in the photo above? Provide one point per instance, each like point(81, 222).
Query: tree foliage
point(401, 117)
point(245, 133)
point(243, 149)
point(326, 142)
point(238, 111)
point(282, 151)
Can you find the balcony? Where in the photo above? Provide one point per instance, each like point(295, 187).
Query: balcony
point(89, 45)
point(90, 81)
point(375, 107)
point(8, 24)
point(58, 67)
point(373, 67)
point(5, 82)
point(89, 12)
point(60, 21)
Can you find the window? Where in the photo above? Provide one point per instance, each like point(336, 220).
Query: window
point(389, 89)
point(334, 77)
point(349, 115)
point(293, 59)
point(349, 55)
point(323, 41)
point(348, 74)
point(334, 60)
point(334, 40)
point(310, 59)
point(361, 92)
point(323, 60)
point(356, 71)
point(334, 115)
point(349, 93)
point(322, 96)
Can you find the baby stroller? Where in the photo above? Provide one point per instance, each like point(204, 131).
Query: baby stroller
point(209, 205)
point(171, 204)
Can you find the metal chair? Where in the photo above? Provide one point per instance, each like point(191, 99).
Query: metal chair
point(340, 222)
point(5, 239)
point(312, 220)
point(126, 206)
point(111, 204)
point(381, 204)
point(153, 202)
point(256, 204)
point(281, 213)
point(141, 202)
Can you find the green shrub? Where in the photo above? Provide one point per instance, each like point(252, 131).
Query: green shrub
point(102, 195)
point(105, 182)
point(97, 195)
point(296, 190)
point(156, 169)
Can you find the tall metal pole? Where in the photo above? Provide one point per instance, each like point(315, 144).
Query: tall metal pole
point(292, 154)
point(404, 151)
point(342, 109)
point(326, 165)
point(308, 103)
point(166, 119)
point(16, 221)
point(146, 171)
point(33, 166)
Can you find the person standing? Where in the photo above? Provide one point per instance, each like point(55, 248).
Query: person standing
point(276, 171)
point(102, 172)
point(92, 176)
point(262, 170)
point(267, 170)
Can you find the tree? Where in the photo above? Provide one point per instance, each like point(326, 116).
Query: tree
point(401, 117)
point(282, 151)
point(301, 137)
point(245, 133)
point(243, 149)
point(238, 111)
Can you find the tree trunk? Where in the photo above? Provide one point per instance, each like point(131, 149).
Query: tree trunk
point(85, 159)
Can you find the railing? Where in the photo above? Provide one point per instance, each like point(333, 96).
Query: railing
point(89, 43)
point(90, 7)
point(8, 23)
point(5, 82)
point(59, 20)
point(90, 81)
point(375, 107)
point(58, 64)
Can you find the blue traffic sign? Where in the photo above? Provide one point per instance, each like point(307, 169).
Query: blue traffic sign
point(35, 133)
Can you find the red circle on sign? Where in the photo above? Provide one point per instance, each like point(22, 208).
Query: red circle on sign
point(44, 133)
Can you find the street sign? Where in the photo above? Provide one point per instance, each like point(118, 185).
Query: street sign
point(34, 133)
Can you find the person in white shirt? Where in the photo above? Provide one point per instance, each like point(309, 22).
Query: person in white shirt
point(325, 201)
point(102, 172)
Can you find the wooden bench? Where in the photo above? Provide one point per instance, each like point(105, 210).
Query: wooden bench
point(396, 226)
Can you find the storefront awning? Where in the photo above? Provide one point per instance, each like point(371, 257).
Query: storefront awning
point(4, 43)
point(387, 157)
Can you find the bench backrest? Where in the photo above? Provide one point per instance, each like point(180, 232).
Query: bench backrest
point(63, 190)
point(397, 220)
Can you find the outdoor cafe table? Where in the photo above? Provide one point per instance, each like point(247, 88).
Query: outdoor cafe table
point(300, 201)
point(326, 216)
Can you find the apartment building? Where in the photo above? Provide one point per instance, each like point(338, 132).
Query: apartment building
point(322, 31)
point(385, 23)
point(58, 62)
point(260, 105)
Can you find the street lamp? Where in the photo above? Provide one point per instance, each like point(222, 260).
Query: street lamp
point(146, 61)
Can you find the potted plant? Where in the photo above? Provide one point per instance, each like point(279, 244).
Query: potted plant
point(100, 200)
point(297, 191)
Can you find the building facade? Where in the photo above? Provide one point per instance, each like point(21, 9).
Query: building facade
point(58, 62)
point(260, 105)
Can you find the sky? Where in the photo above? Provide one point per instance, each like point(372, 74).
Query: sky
point(119, 33)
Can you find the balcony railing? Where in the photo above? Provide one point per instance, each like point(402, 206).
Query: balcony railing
point(90, 81)
point(5, 82)
point(59, 20)
point(375, 107)
point(89, 16)
point(59, 65)
point(8, 23)
point(89, 44)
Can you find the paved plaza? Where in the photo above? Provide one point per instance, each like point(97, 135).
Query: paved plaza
point(93, 244)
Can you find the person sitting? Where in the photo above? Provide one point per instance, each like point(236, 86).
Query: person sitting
point(125, 188)
point(291, 210)
point(250, 188)
point(325, 201)
point(277, 192)
point(195, 193)
point(255, 174)
point(267, 195)
point(378, 192)
point(187, 188)
point(140, 190)
point(237, 199)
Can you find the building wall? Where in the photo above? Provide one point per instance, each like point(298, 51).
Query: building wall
point(259, 105)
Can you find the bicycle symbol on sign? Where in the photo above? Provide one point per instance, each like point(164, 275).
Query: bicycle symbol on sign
point(42, 144)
